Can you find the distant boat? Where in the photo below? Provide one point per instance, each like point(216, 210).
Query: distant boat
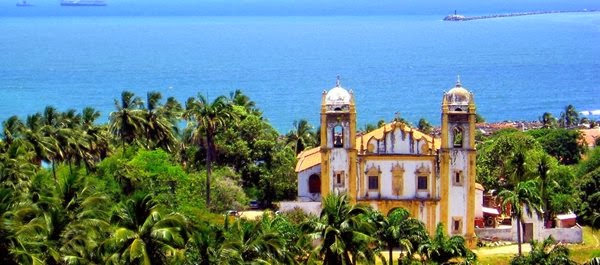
point(23, 4)
point(83, 3)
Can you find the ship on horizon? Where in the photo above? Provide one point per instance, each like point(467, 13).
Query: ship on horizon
point(83, 3)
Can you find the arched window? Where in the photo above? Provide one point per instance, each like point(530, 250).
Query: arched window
point(457, 137)
point(314, 183)
point(338, 136)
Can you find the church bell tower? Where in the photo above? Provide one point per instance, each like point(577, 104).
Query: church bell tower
point(338, 142)
point(457, 167)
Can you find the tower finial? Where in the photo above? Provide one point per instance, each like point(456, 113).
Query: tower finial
point(458, 84)
point(337, 81)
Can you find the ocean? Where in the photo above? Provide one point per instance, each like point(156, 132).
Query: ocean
point(517, 67)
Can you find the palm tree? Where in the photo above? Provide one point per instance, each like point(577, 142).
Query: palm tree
point(424, 126)
point(11, 129)
point(158, 128)
point(255, 241)
point(543, 168)
point(127, 122)
point(524, 198)
point(400, 230)
point(301, 136)
point(207, 240)
point(66, 224)
point(238, 98)
point(7, 236)
point(42, 144)
point(570, 117)
point(548, 121)
point(16, 168)
point(95, 137)
point(441, 248)
point(342, 232)
point(206, 119)
point(145, 234)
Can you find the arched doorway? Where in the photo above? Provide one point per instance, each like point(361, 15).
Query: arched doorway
point(314, 183)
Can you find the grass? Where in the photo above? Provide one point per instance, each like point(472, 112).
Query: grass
point(580, 253)
point(589, 248)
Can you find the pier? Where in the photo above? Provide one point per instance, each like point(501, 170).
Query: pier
point(457, 17)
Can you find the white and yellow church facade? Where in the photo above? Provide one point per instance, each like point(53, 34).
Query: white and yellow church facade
point(398, 166)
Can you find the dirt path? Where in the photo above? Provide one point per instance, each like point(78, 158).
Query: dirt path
point(510, 249)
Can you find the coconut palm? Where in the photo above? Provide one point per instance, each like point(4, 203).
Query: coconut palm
point(7, 236)
point(401, 230)
point(16, 168)
point(205, 119)
point(67, 223)
point(301, 136)
point(127, 122)
point(158, 128)
point(207, 240)
point(441, 248)
point(238, 98)
point(144, 234)
point(548, 121)
point(543, 168)
point(255, 242)
point(570, 117)
point(95, 137)
point(42, 144)
point(342, 232)
point(523, 199)
point(11, 129)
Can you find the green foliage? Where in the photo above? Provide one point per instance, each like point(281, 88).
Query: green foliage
point(424, 126)
point(569, 118)
point(588, 182)
point(565, 145)
point(496, 158)
point(479, 118)
point(523, 199)
point(547, 252)
point(548, 121)
point(145, 234)
point(227, 192)
point(302, 136)
point(441, 248)
point(343, 234)
point(398, 230)
point(132, 191)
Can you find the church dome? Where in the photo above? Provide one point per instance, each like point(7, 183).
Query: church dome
point(338, 95)
point(458, 95)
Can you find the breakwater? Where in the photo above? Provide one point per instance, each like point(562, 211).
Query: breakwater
point(458, 17)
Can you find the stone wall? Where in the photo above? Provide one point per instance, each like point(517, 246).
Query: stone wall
point(493, 234)
point(565, 235)
point(308, 207)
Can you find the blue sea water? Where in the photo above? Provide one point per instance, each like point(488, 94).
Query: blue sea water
point(517, 67)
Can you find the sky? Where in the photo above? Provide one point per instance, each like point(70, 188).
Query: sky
point(294, 7)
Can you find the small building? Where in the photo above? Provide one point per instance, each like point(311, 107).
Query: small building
point(566, 220)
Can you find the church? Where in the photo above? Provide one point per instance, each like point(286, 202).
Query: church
point(396, 165)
